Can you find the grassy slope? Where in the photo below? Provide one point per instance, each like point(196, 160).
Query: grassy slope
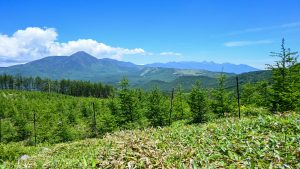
point(226, 143)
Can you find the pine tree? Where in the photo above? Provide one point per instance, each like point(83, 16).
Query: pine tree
point(221, 103)
point(128, 103)
point(157, 110)
point(198, 103)
point(283, 97)
point(180, 104)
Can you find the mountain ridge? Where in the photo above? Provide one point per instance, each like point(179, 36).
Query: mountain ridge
point(205, 65)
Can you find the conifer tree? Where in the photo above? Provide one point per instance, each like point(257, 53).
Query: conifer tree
point(128, 102)
point(198, 103)
point(157, 110)
point(221, 103)
point(180, 104)
point(283, 96)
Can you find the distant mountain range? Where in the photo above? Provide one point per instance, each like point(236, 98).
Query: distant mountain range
point(82, 66)
point(210, 66)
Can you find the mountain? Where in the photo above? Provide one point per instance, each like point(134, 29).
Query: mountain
point(79, 66)
point(210, 66)
point(83, 66)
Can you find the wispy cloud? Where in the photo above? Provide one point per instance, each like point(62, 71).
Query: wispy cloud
point(265, 28)
point(170, 54)
point(290, 25)
point(246, 43)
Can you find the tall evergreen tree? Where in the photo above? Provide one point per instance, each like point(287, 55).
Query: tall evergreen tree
point(180, 104)
point(128, 102)
point(221, 103)
point(198, 103)
point(283, 96)
point(157, 110)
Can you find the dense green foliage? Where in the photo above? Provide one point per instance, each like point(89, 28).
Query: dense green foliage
point(267, 141)
point(59, 118)
point(256, 94)
point(69, 87)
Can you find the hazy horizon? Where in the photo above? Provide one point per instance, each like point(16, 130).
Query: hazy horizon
point(204, 61)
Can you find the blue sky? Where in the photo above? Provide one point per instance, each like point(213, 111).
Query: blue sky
point(146, 31)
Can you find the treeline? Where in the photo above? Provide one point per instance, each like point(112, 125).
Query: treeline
point(69, 87)
point(53, 118)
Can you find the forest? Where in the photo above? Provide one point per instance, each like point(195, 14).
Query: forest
point(68, 87)
point(38, 111)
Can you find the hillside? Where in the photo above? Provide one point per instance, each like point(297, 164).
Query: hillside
point(265, 141)
point(186, 83)
point(209, 82)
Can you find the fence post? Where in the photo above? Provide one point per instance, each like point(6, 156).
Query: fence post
point(94, 120)
point(238, 95)
point(171, 108)
point(34, 127)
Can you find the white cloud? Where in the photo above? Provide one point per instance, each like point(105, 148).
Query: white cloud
point(92, 47)
point(246, 43)
point(31, 42)
point(170, 54)
point(34, 43)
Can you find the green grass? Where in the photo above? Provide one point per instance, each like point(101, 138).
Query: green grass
point(257, 142)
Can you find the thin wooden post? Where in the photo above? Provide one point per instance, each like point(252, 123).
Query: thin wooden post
point(94, 122)
point(171, 108)
point(238, 95)
point(34, 127)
